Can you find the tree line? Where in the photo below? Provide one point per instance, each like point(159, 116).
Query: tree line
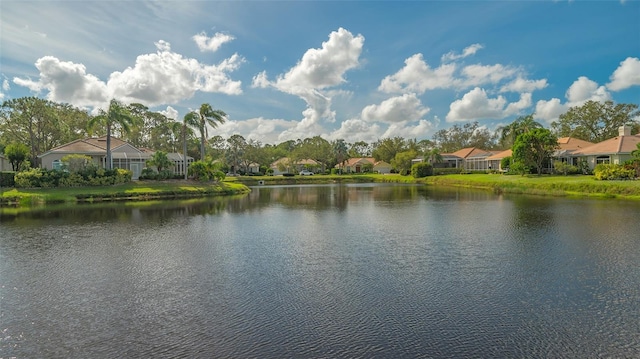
point(31, 126)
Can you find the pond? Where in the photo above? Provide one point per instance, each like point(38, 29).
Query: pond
point(324, 271)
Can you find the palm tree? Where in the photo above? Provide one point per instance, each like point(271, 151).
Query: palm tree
point(434, 156)
point(203, 117)
point(188, 120)
point(510, 132)
point(118, 114)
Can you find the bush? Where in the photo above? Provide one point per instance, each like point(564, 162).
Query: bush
point(608, 172)
point(148, 173)
point(505, 162)
point(37, 177)
point(564, 168)
point(421, 169)
point(7, 179)
point(206, 171)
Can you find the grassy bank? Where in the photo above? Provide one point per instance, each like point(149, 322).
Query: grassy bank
point(547, 185)
point(564, 186)
point(139, 190)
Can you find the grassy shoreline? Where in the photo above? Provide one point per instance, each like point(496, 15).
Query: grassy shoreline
point(557, 186)
point(133, 191)
point(546, 185)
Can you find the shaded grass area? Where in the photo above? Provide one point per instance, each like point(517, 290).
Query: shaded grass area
point(139, 191)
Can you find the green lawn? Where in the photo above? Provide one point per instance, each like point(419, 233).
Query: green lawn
point(574, 186)
point(138, 190)
point(577, 185)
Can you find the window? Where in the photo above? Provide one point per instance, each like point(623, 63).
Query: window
point(56, 165)
point(603, 160)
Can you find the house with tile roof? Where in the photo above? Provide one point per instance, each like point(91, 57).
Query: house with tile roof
point(124, 155)
point(5, 165)
point(616, 150)
point(363, 164)
point(567, 147)
point(287, 165)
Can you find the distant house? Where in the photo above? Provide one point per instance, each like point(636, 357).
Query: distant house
point(287, 165)
point(495, 160)
point(5, 165)
point(470, 158)
point(615, 150)
point(363, 164)
point(124, 155)
point(568, 147)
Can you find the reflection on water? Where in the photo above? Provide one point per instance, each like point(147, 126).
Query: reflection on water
point(362, 270)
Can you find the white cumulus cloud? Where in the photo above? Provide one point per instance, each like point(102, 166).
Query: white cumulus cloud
point(417, 76)
point(584, 89)
point(213, 43)
point(581, 90)
point(67, 82)
point(317, 71)
point(626, 75)
point(396, 109)
point(164, 77)
point(475, 104)
point(523, 85)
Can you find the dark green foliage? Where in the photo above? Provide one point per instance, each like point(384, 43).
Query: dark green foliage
point(564, 168)
point(37, 177)
point(505, 163)
point(16, 153)
point(534, 147)
point(7, 179)
point(206, 171)
point(421, 169)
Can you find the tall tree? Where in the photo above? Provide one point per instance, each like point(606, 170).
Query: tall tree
point(201, 119)
point(40, 124)
point(359, 149)
point(596, 121)
point(387, 148)
point(236, 148)
point(534, 147)
point(340, 151)
point(316, 148)
point(468, 135)
point(117, 114)
point(508, 134)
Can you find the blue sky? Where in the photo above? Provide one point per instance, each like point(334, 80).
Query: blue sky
point(356, 70)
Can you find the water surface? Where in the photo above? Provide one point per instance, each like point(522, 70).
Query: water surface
point(358, 271)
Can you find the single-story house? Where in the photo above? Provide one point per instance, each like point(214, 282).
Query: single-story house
point(287, 165)
point(123, 155)
point(363, 164)
point(5, 165)
point(615, 150)
point(495, 161)
point(568, 146)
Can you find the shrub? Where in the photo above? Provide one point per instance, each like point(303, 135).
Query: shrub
point(518, 167)
point(148, 173)
point(446, 171)
point(564, 168)
point(29, 178)
point(7, 179)
point(505, 162)
point(421, 169)
point(206, 171)
point(607, 172)
point(77, 163)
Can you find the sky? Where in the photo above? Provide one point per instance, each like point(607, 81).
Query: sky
point(352, 70)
